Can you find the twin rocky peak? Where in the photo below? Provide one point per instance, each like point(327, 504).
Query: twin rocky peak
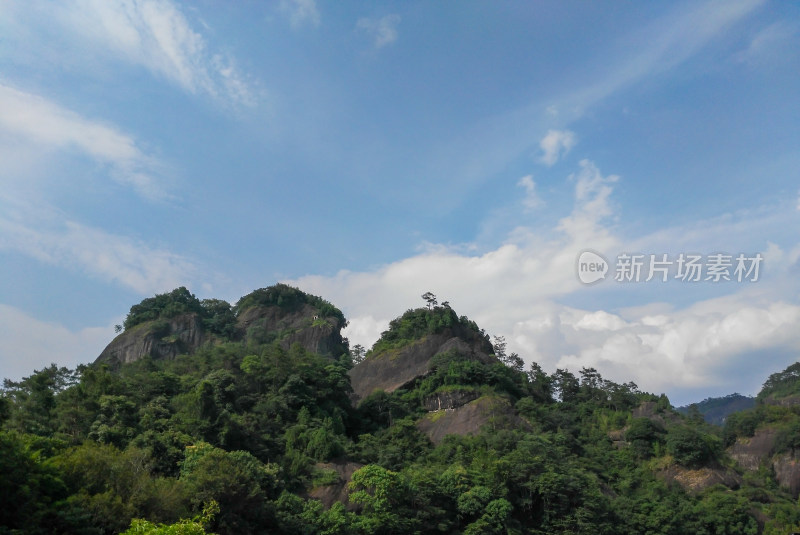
point(177, 323)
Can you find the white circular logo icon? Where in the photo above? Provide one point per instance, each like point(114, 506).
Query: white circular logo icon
point(591, 267)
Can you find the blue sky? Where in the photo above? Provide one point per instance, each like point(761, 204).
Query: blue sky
point(369, 152)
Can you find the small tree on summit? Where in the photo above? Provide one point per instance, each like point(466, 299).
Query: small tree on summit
point(430, 299)
point(358, 353)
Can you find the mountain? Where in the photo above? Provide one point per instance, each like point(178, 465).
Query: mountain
point(205, 417)
point(175, 323)
point(715, 410)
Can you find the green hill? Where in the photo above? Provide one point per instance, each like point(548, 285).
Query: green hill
point(261, 429)
point(716, 410)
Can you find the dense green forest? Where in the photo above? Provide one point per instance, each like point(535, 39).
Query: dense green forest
point(240, 435)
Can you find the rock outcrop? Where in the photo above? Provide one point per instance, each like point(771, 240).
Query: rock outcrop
point(160, 339)
point(185, 334)
point(650, 410)
point(493, 411)
point(699, 479)
point(336, 491)
point(787, 472)
point(449, 399)
point(302, 325)
point(391, 369)
point(750, 452)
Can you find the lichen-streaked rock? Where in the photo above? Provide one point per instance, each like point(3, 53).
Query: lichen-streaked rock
point(450, 399)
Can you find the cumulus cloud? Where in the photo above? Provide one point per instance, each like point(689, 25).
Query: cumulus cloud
point(555, 145)
point(48, 126)
point(382, 31)
point(157, 35)
point(110, 257)
point(301, 12)
point(25, 348)
point(540, 268)
point(527, 291)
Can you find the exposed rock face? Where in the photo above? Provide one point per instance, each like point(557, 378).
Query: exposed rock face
point(336, 492)
point(787, 401)
point(702, 478)
point(751, 452)
point(649, 410)
point(451, 399)
point(158, 339)
point(303, 326)
point(617, 437)
point(787, 472)
point(184, 334)
point(468, 419)
point(391, 369)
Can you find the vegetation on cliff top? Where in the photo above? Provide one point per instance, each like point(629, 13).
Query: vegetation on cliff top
point(290, 299)
point(417, 323)
point(218, 316)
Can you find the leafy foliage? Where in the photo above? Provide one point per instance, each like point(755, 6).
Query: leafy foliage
point(216, 315)
point(230, 440)
point(782, 384)
point(417, 323)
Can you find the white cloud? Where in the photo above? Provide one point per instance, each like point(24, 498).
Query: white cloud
point(156, 35)
point(48, 126)
point(301, 12)
point(110, 257)
point(531, 200)
point(383, 31)
point(526, 269)
point(555, 145)
point(30, 344)
point(592, 205)
point(715, 345)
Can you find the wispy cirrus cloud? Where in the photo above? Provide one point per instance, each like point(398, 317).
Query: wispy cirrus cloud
point(770, 45)
point(50, 127)
point(98, 253)
point(382, 31)
point(156, 35)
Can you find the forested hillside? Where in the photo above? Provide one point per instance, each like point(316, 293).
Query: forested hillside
point(716, 410)
point(262, 420)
